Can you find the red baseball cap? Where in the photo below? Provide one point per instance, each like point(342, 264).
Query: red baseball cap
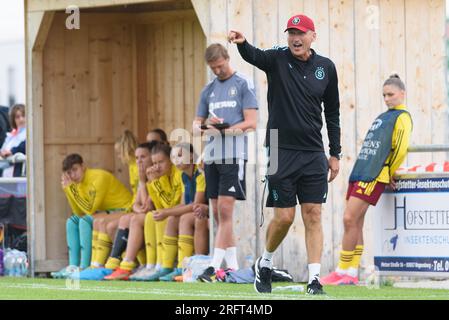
point(300, 22)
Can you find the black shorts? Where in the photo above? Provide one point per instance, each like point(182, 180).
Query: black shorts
point(226, 179)
point(300, 174)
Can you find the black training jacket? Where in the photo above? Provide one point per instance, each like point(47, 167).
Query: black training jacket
point(296, 91)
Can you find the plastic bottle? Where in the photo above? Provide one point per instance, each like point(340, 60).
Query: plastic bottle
point(195, 267)
point(21, 264)
point(297, 288)
point(8, 261)
point(15, 263)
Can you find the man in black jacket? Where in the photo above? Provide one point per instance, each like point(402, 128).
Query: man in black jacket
point(299, 81)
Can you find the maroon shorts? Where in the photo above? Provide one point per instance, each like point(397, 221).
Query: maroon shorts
point(367, 191)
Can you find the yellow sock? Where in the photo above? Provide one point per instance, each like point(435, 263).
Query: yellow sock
point(112, 263)
point(104, 246)
point(170, 251)
point(160, 231)
point(185, 248)
point(128, 266)
point(357, 256)
point(149, 231)
point(141, 257)
point(345, 259)
point(94, 245)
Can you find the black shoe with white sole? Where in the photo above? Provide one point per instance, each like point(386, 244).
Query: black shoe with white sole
point(315, 287)
point(262, 281)
point(208, 275)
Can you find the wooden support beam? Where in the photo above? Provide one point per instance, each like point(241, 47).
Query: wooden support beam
point(53, 5)
point(37, 26)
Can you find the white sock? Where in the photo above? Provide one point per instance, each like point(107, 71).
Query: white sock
point(314, 271)
point(353, 272)
point(341, 271)
point(267, 259)
point(217, 259)
point(231, 258)
point(150, 266)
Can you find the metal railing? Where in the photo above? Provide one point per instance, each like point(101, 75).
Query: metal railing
point(426, 148)
point(10, 161)
point(429, 148)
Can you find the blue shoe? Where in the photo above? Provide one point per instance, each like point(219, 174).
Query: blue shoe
point(95, 274)
point(171, 276)
point(64, 272)
point(160, 273)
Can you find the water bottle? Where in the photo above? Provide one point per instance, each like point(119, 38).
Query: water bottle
point(15, 263)
point(297, 288)
point(21, 264)
point(195, 267)
point(8, 261)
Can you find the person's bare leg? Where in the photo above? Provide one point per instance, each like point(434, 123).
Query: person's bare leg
point(125, 221)
point(353, 222)
point(135, 237)
point(311, 215)
point(112, 223)
point(225, 233)
point(201, 236)
point(187, 224)
point(172, 227)
point(223, 209)
point(278, 228)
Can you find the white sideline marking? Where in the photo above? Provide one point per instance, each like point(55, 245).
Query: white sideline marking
point(209, 294)
point(221, 295)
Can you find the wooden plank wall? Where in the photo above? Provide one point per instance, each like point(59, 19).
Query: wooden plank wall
point(367, 40)
point(111, 75)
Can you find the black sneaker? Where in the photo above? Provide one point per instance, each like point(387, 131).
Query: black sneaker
point(262, 280)
point(208, 275)
point(315, 287)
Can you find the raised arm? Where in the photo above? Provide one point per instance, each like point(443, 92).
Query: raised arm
point(262, 59)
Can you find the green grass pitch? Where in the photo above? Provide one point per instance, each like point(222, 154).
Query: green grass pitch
point(43, 289)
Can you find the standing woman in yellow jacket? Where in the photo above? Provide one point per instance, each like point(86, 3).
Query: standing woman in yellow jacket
point(384, 149)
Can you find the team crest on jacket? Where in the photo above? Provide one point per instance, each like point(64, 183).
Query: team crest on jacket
point(232, 92)
point(319, 73)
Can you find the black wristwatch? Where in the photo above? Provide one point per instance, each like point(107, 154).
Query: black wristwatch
point(338, 156)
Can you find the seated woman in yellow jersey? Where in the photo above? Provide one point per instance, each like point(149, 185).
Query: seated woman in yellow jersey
point(125, 148)
point(182, 224)
point(383, 151)
point(165, 192)
point(90, 193)
point(140, 207)
point(121, 221)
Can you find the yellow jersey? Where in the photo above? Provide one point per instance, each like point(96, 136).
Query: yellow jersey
point(191, 186)
point(98, 191)
point(399, 145)
point(166, 191)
